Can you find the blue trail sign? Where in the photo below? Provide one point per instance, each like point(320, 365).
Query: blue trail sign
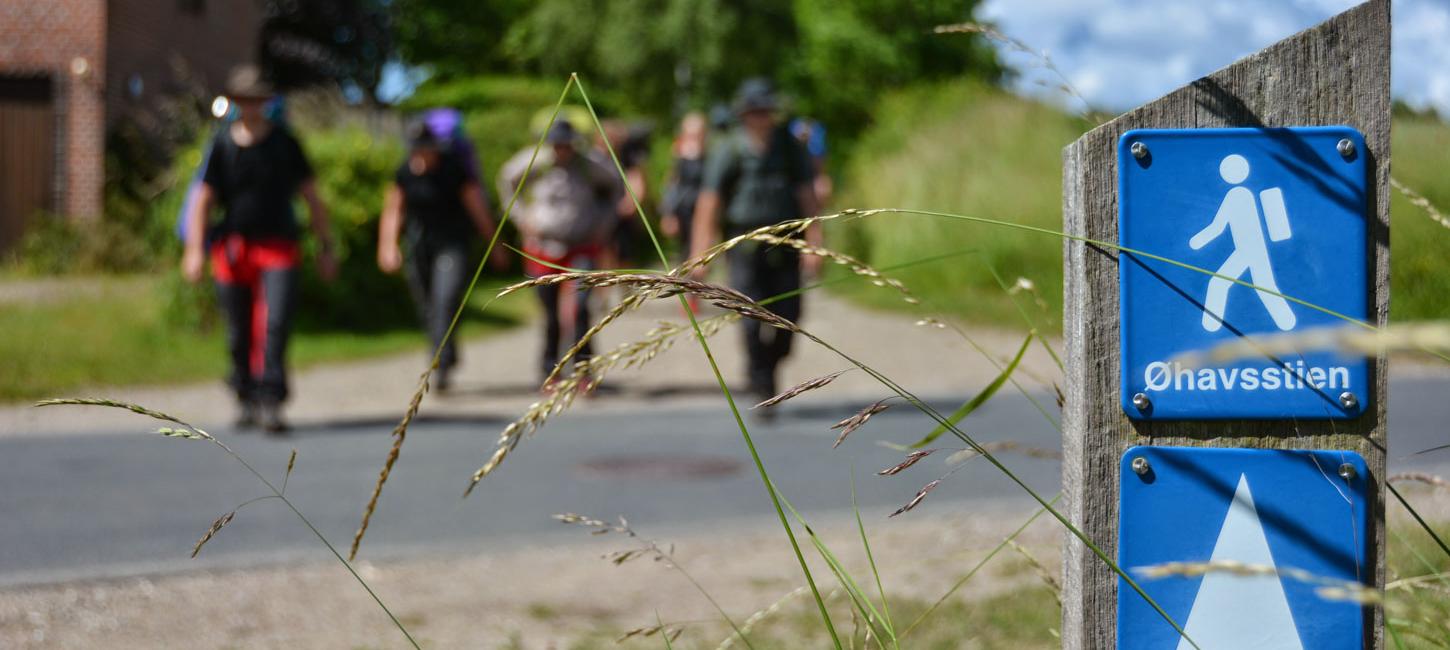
point(1275, 222)
point(1294, 521)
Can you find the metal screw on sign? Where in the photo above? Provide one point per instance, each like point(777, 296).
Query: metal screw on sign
point(1140, 466)
point(1348, 400)
point(1345, 148)
point(1141, 402)
point(1140, 150)
point(1346, 472)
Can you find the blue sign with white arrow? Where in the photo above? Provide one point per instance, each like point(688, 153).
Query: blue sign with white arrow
point(1243, 548)
point(1228, 233)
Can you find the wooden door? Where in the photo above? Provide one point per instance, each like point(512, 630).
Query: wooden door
point(27, 155)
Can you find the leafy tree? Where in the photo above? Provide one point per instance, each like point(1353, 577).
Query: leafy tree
point(833, 56)
point(342, 42)
point(455, 38)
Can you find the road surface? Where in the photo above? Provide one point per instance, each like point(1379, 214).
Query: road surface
point(96, 505)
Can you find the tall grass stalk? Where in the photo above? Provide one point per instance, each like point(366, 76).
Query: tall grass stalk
point(400, 432)
point(719, 377)
point(199, 434)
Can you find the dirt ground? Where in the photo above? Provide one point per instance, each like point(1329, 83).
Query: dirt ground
point(545, 597)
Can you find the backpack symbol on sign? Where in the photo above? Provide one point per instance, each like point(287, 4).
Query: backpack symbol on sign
point(1239, 214)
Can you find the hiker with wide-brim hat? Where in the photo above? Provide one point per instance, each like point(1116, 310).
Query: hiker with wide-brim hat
point(758, 175)
point(254, 169)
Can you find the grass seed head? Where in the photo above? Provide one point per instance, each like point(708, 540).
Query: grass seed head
point(850, 424)
point(910, 460)
point(916, 500)
point(803, 387)
point(216, 526)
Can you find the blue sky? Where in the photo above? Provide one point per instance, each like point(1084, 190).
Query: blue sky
point(1121, 53)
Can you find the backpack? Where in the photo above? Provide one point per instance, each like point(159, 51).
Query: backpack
point(561, 209)
point(446, 124)
point(759, 191)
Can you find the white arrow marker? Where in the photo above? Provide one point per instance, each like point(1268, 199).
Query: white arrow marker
point(1233, 612)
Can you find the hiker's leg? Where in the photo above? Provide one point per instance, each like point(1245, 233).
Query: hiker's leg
point(278, 301)
point(783, 276)
point(1262, 275)
point(418, 273)
point(747, 274)
point(236, 303)
point(549, 297)
point(1216, 301)
point(582, 323)
point(449, 265)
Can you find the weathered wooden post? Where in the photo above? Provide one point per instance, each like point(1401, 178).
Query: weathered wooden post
point(1333, 186)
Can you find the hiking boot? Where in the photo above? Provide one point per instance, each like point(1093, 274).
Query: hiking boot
point(269, 414)
point(247, 415)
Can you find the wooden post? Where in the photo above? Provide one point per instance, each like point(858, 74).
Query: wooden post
point(1337, 73)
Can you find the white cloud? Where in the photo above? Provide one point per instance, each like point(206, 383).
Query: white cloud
point(1121, 53)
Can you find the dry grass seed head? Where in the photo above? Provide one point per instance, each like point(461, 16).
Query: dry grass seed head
point(803, 387)
point(965, 455)
point(1420, 477)
point(916, 500)
point(850, 424)
point(911, 459)
point(216, 526)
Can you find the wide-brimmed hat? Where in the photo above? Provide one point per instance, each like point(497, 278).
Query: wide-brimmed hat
point(562, 132)
point(756, 95)
point(247, 82)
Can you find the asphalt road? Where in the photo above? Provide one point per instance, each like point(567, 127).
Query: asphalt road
point(108, 505)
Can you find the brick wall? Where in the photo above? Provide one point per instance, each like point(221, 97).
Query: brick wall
point(65, 41)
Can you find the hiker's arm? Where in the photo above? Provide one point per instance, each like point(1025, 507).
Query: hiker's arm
point(477, 207)
point(704, 233)
point(390, 227)
point(321, 228)
point(806, 197)
point(193, 257)
point(1214, 228)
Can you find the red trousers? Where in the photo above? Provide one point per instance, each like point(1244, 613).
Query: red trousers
point(257, 288)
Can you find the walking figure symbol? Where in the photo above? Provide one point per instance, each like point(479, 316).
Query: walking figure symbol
point(1239, 214)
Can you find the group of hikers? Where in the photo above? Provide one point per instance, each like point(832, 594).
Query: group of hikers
point(741, 169)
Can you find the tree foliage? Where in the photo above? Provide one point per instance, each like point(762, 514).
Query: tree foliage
point(317, 42)
point(833, 57)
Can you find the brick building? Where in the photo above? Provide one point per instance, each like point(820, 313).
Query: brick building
point(70, 70)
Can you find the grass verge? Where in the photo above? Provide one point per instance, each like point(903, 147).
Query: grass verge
point(113, 331)
point(971, 149)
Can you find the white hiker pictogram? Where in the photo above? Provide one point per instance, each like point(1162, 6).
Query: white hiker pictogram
point(1239, 213)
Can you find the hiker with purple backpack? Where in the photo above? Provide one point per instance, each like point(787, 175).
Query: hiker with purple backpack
point(432, 213)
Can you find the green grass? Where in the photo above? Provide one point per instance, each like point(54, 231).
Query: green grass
point(116, 333)
point(1019, 619)
point(966, 148)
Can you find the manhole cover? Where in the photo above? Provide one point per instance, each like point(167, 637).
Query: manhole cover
point(673, 467)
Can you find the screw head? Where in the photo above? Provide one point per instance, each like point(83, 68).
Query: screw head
point(1141, 402)
point(1347, 472)
point(1140, 150)
point(1348, 401)
point(1140, 465)
point(1345, 147)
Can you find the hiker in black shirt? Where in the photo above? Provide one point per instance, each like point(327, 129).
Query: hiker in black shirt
point(254, 170)
point(437, 208)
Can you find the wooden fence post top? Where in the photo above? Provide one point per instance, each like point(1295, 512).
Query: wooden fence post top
point(1336, 73)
